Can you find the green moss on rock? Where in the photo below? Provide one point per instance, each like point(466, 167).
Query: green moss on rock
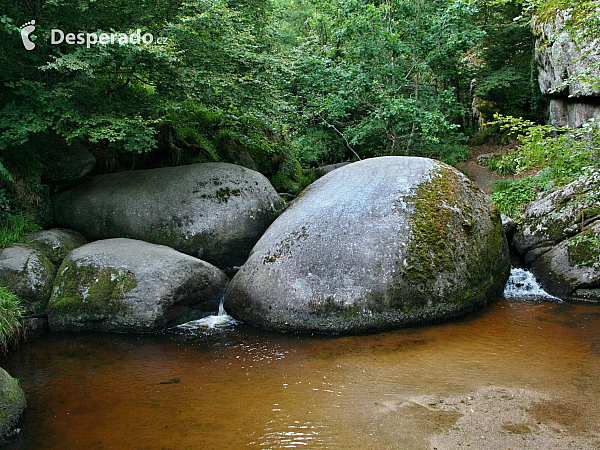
point(584, 249)
point(445, 241)
point(12, 403)
point(85, 290)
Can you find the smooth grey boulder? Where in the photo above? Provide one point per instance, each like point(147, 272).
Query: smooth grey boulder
point(213, 211)
point(571, 270)
point(559, 214)
point(12, 403)
point(128, 285)
point(381, 243)
point(28, 273)
point(55, 243)
point(324, 170)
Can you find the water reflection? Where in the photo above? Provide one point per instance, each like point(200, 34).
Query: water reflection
point(241, 387)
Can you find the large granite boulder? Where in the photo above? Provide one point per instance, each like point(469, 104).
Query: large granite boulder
point(12, 403)
point(213, 211)
point(28, 273)
point(559, 238)
point(55, 243)
point(381, 243)
point(560, 61)
point(129, 285)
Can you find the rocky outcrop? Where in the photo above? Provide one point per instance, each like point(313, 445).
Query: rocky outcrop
point(12, 403)
point(132, 286)
point(213, 211)
point(55, 243)
point(28, 273)
point(381, 243)
point(573, 100)
point(560, 239)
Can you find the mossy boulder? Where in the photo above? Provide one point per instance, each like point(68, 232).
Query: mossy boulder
point(12, 403)
point(571, 269)
point(559, 214)
point(559, 238)
point(213, 211)
point(382, 243)
point(55, 243)
point(127, 285)
point(28, 273)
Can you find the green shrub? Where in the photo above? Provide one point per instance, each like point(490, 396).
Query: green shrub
point(15, 226)
point(512, 195)
point(564, 151)
point(503, 165)
point(11, 319)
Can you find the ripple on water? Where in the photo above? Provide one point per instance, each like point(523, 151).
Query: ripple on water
point(241, 387)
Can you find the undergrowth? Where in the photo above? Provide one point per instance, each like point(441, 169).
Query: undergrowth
point(558, 155)
point(511, 196)
point(11, 319)
point(15, 226)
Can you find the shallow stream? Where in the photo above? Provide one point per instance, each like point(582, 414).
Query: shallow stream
point(518, 374)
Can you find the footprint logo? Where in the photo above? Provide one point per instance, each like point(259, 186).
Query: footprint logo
point(26, 30)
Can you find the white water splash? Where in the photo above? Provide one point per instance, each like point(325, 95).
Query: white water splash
point(523, 285)
point(220, 320)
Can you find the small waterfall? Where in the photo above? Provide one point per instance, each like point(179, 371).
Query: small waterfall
point(522, 285)
point(220, 320)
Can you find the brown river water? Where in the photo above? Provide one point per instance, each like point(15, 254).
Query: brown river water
point(515, 375)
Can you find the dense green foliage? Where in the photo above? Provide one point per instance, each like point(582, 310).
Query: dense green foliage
point(15, 226)
point(506, 79)
point(11, 319)
point(562, 153)
point(283, 85)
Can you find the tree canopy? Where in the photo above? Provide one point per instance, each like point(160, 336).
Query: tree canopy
point(290, 83)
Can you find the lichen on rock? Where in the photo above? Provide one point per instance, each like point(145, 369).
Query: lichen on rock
point(382, 243)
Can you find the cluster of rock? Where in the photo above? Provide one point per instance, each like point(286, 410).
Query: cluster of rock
point(125, 280)
point(382, 243)
point(564, 65)
point(559, 239)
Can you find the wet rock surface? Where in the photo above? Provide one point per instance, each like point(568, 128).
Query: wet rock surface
point(386, 242)
point(213, 211)
point(559, 239)
point(133, 286)
point(12, 403)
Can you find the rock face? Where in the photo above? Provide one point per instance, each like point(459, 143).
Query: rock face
point(381, 243)
point(12, 403)
point(560, 239)
point(130, 285)
point(28, 274)
point(559, 59)
point(213, 211)
point(55, 243)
